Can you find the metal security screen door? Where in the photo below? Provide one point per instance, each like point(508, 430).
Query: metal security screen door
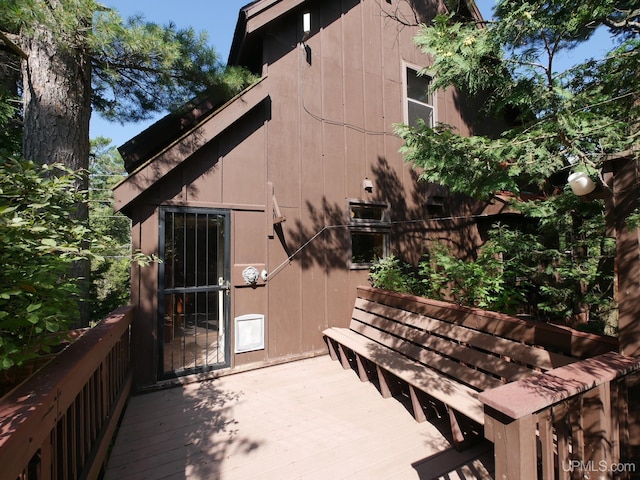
point(194, 290)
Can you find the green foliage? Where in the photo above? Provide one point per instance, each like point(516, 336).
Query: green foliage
point(477, 171)
point(110, 274)
point(558, 275)
point(560, 119)
point(10, 133)
point(478, 283)
point(39, 240)
point(557, 122)
point(111, 231)
point(548, 276)
point(390, 273)
point(140, 67)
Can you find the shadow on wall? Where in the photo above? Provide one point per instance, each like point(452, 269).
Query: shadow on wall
point(174, 174)
point(323, 239)
point(428, 213)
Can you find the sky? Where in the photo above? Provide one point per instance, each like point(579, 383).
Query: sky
point(218, 18)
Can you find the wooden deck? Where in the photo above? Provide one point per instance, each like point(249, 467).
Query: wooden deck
point(302, 420)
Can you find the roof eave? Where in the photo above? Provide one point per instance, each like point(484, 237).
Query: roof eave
point(474, 10)
point(252, 18)
point(164, 162)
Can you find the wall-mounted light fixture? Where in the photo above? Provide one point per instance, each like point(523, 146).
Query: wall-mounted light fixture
point(306, 26)
point(306, 31)
point(367, 185)
point(581, 184)
point(306, 23)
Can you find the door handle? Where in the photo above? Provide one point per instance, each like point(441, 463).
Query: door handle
point(224, 284)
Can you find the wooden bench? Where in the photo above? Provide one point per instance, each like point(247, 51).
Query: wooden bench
point(448, 353)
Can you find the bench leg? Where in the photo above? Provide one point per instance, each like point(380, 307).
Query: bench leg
point(456, 431)
point(418, 412)
point(385, 391)
point(343, 358)
point(362, 372)
point(332, 350)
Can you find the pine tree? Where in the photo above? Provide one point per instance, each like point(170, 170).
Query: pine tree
point(76, 56)
point(557, 122)
point(561, 120)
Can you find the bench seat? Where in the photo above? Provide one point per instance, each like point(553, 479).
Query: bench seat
point(460, 397)
point(433, 352)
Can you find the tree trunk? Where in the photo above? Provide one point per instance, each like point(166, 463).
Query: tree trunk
point(57, 108)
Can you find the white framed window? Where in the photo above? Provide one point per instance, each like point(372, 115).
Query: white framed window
point(420, 102)
point(369, 232)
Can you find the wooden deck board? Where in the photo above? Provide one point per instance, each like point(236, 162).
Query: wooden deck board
point(302, 420)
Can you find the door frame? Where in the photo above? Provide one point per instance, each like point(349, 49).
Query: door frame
point(160, 292)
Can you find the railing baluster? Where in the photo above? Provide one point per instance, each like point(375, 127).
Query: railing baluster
point(577, 429)
point(61, 445)
point(585, 403)
point(96, 408)
point(45, 459)
point(84, 396)
point(596, 415)
point(71, 442)
point(80, 446)
point(559, 414)
point(58, 424)
point(545, 429)
point(105, 389)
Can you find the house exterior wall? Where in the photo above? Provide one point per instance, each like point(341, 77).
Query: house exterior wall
point(326, 127)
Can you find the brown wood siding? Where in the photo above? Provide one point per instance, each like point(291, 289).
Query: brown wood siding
point(325, 126)
point(144, 283)
point(203, 180)
point(252, 250)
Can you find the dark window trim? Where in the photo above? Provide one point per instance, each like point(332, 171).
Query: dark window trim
point(367, 203)
point(360, 225)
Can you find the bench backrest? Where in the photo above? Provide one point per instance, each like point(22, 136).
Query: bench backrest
point(553, 338)
point(447, 343)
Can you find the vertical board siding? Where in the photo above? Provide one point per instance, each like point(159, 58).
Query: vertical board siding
point(326, 124)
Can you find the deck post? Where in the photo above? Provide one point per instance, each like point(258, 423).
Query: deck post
point(598, 426)
point(626, 181)
point(624, 169)
point(515, 436)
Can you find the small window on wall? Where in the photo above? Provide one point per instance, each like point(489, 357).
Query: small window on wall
point(369, 232)
point(419, 98)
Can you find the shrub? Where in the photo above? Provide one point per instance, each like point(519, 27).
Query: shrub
point(391, 273)
point(516, 272)
point(39, 241)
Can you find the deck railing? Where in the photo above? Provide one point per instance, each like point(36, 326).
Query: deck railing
point(58, 424)
point(571, 422)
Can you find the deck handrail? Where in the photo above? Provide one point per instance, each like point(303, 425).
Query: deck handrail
point(570, 418)
point(58, 424)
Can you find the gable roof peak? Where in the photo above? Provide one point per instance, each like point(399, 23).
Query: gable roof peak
point(254, 16)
